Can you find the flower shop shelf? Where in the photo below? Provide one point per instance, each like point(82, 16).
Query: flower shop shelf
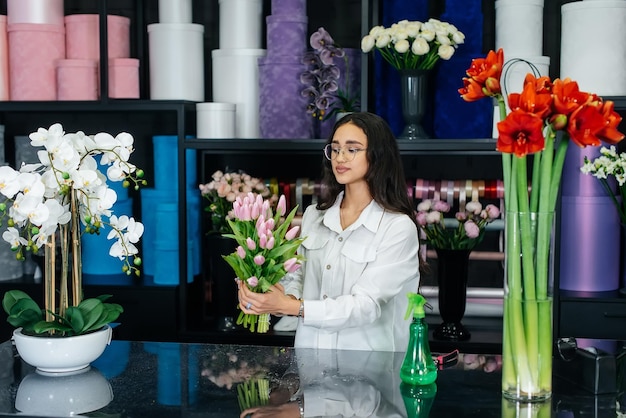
point(600, 315)
point(430, 146)
point(302, 158)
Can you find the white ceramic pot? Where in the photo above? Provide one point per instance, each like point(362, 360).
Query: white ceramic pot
point(69, 394)
point(61, 354)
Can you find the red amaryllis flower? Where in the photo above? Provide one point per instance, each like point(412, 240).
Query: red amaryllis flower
point(535, 97)
point(521, 133)
point(483, 77)
point(567, 96)
point(584, 125)
point(610, 133)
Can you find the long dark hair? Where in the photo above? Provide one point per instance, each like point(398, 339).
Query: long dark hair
point(385, 174)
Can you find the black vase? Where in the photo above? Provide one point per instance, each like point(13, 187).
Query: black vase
point(221, 280)
point(414, 91)
point(452, 267)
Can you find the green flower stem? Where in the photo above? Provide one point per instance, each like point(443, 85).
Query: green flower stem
point(409, 60)
point(545, 344)
point(258, 323)
point(506, 158)
point(527, 334)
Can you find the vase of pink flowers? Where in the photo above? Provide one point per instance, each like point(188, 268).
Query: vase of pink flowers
point(453, 239)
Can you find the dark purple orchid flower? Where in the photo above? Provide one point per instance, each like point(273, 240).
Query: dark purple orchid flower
point(321, 39)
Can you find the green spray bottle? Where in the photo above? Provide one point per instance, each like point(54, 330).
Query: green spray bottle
point(418, 367)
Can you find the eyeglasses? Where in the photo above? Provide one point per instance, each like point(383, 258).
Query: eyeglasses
point(331, 152)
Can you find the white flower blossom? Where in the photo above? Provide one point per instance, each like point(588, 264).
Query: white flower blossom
point(40, 194)
point(9, 184)
point(445, 52)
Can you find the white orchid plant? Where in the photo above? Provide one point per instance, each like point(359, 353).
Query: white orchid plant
point(59, 198)
point(413, 44)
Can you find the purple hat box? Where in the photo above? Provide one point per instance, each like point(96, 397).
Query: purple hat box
point(286, 33)
point(282, 110)
point(289, 7)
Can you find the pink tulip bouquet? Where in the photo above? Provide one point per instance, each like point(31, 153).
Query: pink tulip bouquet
point(465, 235)
point(266, 251)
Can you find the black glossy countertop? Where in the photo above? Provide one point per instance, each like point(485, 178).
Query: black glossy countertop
point(135, 379)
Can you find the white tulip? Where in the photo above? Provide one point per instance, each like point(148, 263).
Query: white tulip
point(367, 43)
point(420, 47)
point(402, 46)
point(383, 40)
point(445, 52)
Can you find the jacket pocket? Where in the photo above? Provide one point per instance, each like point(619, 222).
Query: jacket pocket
point(315, 243)
point(359, 252)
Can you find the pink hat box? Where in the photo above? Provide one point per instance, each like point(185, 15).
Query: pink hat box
point(48, 12)
point(4, 60)
point(77, 79)
point(33, 50)
point(124, 78)
point(83, 36)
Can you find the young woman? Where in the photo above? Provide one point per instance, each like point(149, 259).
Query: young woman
point(361, 248)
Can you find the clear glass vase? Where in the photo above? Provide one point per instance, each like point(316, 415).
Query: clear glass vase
point(528, 305)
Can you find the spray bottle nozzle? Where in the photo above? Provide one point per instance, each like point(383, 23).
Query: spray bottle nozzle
point(416, 306)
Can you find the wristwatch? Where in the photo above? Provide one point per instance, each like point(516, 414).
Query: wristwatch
point(301, 311)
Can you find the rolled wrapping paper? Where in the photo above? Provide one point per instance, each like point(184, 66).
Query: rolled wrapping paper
point(289, 7)
point(519, 27)
point(592, 60)
point(239, 67)
point(4, 59)
point(576, 183)
point(33, 51)
point(175, 11)
point(215, 120)
point(241, 24)
point(49, 12)
point(177, 61)
point(590, 250)
point(82, 38)
point(282, 109)
point(77, 79)
point(286, 35)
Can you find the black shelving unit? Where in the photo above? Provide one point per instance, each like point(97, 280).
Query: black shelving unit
point(302, 158)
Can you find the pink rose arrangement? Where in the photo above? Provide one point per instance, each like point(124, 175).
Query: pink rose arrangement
point(462, 233)
point(266, 251)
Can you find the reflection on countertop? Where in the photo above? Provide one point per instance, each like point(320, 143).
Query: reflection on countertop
point(134, 379)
